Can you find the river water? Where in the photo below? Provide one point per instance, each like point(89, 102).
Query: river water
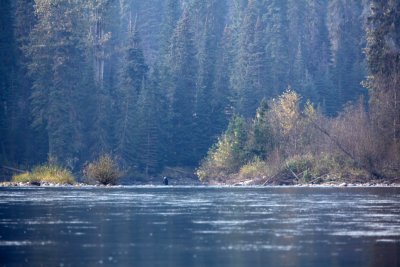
point(199, 226)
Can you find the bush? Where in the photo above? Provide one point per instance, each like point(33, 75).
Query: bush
point(49, 172)
point(299, 164)
point(228, 155)
point(23, 178)
point(256, 168)
point(104, 171)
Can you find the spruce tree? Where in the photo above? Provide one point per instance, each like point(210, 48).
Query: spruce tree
point(277, 44)
point(170, 20)
point(202, 110)
point(30, 142)
point(245, 79)
point(56, 72)
point(7, 82)
point(132, 77)
point(260, 142)
point(151, 126)
point(221, 99)
point(183, 76)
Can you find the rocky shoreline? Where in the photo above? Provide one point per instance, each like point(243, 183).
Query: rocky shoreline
point(244, 183)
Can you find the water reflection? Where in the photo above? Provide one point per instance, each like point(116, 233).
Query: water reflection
point(198, 226)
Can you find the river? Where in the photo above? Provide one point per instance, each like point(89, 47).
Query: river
point(199, 226)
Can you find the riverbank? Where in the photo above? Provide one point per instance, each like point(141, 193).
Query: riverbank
point(328, 181)
point(238, 184)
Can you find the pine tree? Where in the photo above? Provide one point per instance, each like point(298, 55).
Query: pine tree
point(259, 69)
point(202, 109)
point(152, 136)
point(247, 79)
point(132, 77)
point(170, 20)
point(31, 147)
point(213, 12)
point(222, 107)
point(183, 76)
point(348, 69)
point(7, 82)
point(260, 142)
point(101, 39)
point(55, 67)
point(277, 44)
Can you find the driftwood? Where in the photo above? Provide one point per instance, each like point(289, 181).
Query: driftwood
point(269, 179)
point(292, 172)
point(316, 179)
point(13, 169)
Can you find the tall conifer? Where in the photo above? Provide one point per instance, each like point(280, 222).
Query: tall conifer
point(183, 76)
point(132, 77)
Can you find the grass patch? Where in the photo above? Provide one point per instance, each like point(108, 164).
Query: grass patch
point(51, 173)
point(23, 178)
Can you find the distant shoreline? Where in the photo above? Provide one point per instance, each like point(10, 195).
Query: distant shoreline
point(79, 185)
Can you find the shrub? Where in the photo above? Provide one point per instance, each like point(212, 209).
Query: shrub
point(299, 164)
point(49, 172)
point(256, 168)
point(104, 171)
point(25, 177)
point(228, 155)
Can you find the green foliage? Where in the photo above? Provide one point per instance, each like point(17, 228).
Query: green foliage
point(299, 164)
point(81, 81)
point(103, 170)
point(228, 155)
point(23, 178)
point(132, 82)
point(286, 141)
point(50, 172)
point(261, 140)
point(254, 169)
point(183, 69)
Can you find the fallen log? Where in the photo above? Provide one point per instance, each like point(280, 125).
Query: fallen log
point(13, 169)
point(347, 153)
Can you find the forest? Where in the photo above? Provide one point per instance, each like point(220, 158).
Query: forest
point(304, 90)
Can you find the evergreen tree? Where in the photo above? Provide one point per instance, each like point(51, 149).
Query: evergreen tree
point(348, 71)
point(133, 75)
point(259, 69)
point(149, 20)
point(301, 39)
point(32, 146)
point(221, 99)
point(152, 137)
point(7, 80)
point(207, 14)
point(277, 44)
point(55, 67)
point(301, 77)
point(260, 137)
point(241, 80)
point(171, 18)
point(203, 129)
point(100, 44)
point(183, 76)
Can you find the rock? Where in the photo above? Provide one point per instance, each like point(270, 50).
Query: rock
point(35, 183)
point(343, 184)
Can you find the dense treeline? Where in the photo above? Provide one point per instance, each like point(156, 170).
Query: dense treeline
point(287, 142)
point(156, 82)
